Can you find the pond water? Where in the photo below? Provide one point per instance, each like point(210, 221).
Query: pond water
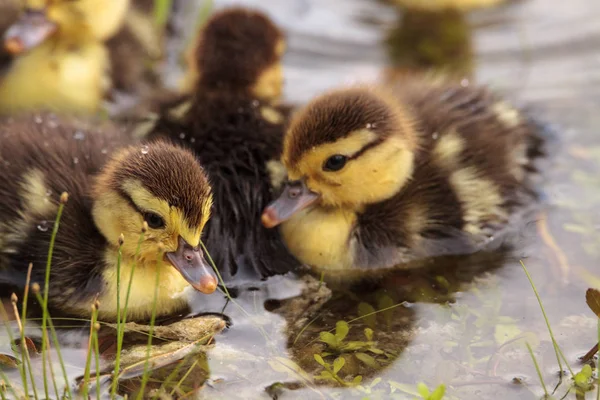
point(459, 322)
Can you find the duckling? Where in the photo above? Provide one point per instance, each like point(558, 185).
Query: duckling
point(434, 34)
point(114, 189)
point(383, 178)
point(236, 131)
point(60, 61)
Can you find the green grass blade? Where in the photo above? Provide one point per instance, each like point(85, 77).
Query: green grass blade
point(537, 368)
point(97, 352)
point(22, 367)
point(121, 322)
point(36, 291)
point(25, 359)
point(146, 374)
point(63, 200)
point(88, 359)
point(10, 387)
point(557, 350)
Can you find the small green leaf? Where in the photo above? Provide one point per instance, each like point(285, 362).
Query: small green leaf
point(338, 364)
point(357, 380)
point(369, 334)
point(375, 382)
point(504, 333)
point(329, 339)
point(592, 298)
point(341, 330)
point(367, 360)
point(385, 302)
point(367, 311)
point(438, 393)
point(319, 359)
point(423, 390)
point(586, 371)
point(403, 387)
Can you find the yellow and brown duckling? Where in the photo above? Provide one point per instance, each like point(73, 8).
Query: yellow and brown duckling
point(379, 179)
point(60, 61)
point(113, 189)
point(237, 134)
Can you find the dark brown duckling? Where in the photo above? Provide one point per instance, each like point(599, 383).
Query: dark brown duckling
point(379, 179)
point(114, 188)
point(236, 132)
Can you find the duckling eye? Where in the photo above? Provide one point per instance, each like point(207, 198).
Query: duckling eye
point(154, 220)
point(335, 163)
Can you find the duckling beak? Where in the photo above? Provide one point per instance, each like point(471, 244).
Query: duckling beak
point(32, 28)
point(296, 197)
point(190, 263)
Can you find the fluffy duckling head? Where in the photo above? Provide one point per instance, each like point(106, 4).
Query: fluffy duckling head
point(348, 148)
point(42, 19)
point(240, 49)
point(164, 187)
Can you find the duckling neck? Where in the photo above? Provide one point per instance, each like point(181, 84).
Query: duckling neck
point(321, 237)
point(168, 297)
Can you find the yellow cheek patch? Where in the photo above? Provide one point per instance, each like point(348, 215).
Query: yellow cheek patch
point(175, 219)
point(179, 226)
point(270, 82)
point(280, 47)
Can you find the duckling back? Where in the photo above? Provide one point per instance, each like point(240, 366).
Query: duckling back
point(472, 183)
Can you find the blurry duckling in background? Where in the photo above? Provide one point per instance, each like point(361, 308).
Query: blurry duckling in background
point(112, 190)
point(236, 132)
point(380, 179)
point(434, 34)
point(60, 61)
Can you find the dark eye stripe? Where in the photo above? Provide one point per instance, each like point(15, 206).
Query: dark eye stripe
point(367, 147)
point(126, 196)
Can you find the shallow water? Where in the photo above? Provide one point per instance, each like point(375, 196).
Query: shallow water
point(461, 322)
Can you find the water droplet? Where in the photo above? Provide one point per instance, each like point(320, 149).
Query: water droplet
point(52, 124)
point(369, 126)
point(182, 135)
point(145, 149)
point(48, 193)
point(43, 226)
point(240, 110)
point(255, 103)
point(75, 160)
point(464, 82)
point(79, 135)
point(104, 151)
point(192, 140)
point(435, 135)
point(38, 119)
